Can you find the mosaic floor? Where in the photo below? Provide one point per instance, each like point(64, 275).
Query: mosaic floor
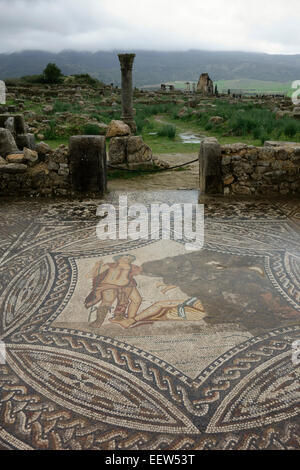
point(143, 345)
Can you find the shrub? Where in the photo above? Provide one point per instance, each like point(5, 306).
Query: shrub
point(86, 78)
point(50, 133)
point(208, 126)
point(167, 131)
point(290, 129)
point(32, 79)
point(52, 74)
point(91, 129)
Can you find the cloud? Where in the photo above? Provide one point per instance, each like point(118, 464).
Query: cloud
point(270, 26)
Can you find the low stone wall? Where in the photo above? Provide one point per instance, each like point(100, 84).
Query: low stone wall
point(46, 174)
point(240, 169)
point(260, 170)
point(50, 173)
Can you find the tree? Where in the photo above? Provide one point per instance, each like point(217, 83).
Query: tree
point(52, 74)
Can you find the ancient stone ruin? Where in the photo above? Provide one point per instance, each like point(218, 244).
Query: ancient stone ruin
point(244, 170)
point(205, 85)
point(128, 151)
point(126, 62)
point(88, 163)
point(29, 169)
point(16, 125)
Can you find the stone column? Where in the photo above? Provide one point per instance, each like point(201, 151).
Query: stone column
point(126, 61)
point(88, 164)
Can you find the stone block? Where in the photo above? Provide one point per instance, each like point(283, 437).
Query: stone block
point(26, 140)
point(7, 143)
point(211, 181)
point(13, 168)
point(88, 164)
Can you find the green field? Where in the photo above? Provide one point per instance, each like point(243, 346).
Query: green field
point(245, 85)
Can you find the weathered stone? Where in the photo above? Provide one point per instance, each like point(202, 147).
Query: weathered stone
point(279, 143)
point(15, 158)
point(7, 143)
point(243, 190)
point(60, 154)
point(43, 149)
point(129, 150)
point(296, 159)
point(48, 109)
point(216, 120)
point(20, 126)
point(15, 124)
point(26, 140)
point(63, 169)
point(210, 166)
point(226, 160)
point(53, 166)
point(205, 85)
point(118, 150)
point(30, 156)
point(245, 167)
point(229, 180)
point(126, 62)
point(280, 153)
point(118, 129)
point(13, 168)
point(3, 161)
point(138, 151)
point(88, 163)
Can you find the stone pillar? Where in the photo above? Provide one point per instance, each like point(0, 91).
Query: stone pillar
point(88, 163)
point(210, 173)
point(126, 62)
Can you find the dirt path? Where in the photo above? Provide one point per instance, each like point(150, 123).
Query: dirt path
point(173, 179)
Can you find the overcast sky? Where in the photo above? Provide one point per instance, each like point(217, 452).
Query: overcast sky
point(271, 26)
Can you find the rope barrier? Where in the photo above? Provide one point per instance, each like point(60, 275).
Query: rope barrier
point(152, 171)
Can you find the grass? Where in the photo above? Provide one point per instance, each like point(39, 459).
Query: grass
point(124, 175)
point(244, 85)
point(56, 143)
point(254, 86)
point(161, 145)
point(91, 129)
point(243, 122)
point(167, 130)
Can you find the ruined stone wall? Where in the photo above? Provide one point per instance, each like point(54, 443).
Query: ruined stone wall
point(249, 170)
point(44, 173)
point(205, 85)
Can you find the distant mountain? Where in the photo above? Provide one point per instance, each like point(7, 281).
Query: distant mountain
point(153, 67)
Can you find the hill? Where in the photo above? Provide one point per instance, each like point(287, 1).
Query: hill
point(157, 67)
